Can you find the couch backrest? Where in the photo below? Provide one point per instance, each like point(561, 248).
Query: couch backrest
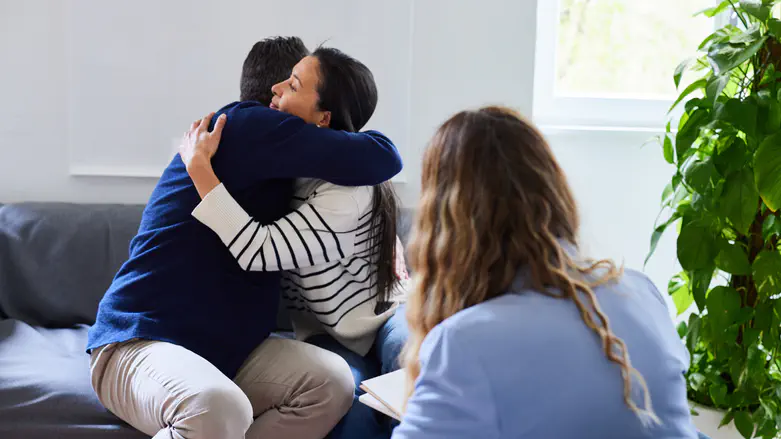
point(58, 259)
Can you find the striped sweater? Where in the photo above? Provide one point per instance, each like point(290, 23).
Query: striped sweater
point(325, 248)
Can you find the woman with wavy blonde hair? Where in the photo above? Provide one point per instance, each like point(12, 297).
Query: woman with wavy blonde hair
point(513, 333)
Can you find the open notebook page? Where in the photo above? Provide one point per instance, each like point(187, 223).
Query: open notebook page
point(386, 390)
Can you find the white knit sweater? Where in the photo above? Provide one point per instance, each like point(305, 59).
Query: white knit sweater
point(324, 246)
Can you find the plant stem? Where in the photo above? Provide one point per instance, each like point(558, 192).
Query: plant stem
point(737, 12)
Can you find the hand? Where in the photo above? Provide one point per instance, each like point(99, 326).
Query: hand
point(400, 265)
point(200, 144)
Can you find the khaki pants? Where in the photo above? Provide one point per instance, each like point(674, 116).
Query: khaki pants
point(286, 389)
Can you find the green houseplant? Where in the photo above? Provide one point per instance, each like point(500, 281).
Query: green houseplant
point(724, 198)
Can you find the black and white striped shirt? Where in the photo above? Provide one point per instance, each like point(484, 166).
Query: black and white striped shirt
point(325, 247)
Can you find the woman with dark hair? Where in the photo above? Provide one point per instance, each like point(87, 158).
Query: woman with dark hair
point(514, 333)
point(338, 246)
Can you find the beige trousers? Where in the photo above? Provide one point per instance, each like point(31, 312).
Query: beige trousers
point(286, 389)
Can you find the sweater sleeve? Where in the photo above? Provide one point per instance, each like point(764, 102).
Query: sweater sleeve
point(262, 144)
point(321, 230)
point(451, 399)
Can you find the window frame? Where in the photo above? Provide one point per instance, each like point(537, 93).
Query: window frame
point(635, 112)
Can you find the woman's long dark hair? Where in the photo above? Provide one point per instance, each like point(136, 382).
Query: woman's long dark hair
point(347, 89)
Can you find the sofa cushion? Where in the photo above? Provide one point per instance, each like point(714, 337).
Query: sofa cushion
point(45, 388)
point(56, 259)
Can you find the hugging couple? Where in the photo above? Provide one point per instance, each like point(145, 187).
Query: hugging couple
point(278, 198)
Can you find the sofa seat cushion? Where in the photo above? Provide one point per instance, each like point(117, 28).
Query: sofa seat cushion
point(45, 388)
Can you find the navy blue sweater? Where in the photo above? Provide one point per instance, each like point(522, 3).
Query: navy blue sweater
point(180, 284)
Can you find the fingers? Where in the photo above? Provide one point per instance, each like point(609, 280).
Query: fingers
point(195, 124)
point(204, 126)
point(217, 131)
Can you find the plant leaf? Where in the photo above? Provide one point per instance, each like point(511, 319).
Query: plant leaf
point(723, 307)
point(767, 168)
point(740, 114)
point(694, 86)
point(715, 87)
point(774, 26)
point(767, 272)
point(693, 336)
point(689, 133)
point(725, 57)
point(739, 201)
point(696, 246)
point(699, 284)
point(771, 226)
point(763, 316)
point(680, 70)
point(682, 329)
point(732, 259)
point(678, 288)
point(716, 10)
point(749, 36)
point(730, 157)
point(701, 175)
point(728, 417)
point(667, 147)
point(657, 234)
point(718, 393)
point(743, 423)
point(756, 9)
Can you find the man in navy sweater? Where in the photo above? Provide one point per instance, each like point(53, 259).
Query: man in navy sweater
point(180, 348)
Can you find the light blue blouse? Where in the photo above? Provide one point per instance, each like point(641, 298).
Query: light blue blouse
point(524, 365)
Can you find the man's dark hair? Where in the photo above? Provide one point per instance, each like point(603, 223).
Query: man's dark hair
point(270, 61)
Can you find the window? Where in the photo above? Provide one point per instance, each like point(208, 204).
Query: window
point(611, 62)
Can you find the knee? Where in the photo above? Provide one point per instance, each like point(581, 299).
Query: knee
point(334, 386)
point(220, 411)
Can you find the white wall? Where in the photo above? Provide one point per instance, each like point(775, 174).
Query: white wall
point(463, 54)
point(93, 93)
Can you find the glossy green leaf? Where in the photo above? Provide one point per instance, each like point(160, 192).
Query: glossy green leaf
point(680, 70)
point(693, 335)
point(774, 26)
point(691, 88)
point(744, 424)
point(739, 201)
point(725, 57)
point(715, 87)
point(701, 175)
point(689, 133)
point(749, 36)
point(763, 316)
point(771, 227)
point(678, 289)
point(767, 273)
point(756, 8)
point(667, 148)
point(740, 114)
point(723, 307)
point(699, 283)
point(718, 393)
point(732, 259)
point(731, 156)
point(696, 246)
point(658, 232)
point(715, 10)
point(767, 168)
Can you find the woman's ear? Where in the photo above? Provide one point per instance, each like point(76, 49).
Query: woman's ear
point(325, 119)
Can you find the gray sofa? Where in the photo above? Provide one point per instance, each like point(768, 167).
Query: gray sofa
point(56, 261)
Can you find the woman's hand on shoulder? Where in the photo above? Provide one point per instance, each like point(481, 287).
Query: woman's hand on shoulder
point(198, 145)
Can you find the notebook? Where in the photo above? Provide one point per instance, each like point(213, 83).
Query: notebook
point(386, 393)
